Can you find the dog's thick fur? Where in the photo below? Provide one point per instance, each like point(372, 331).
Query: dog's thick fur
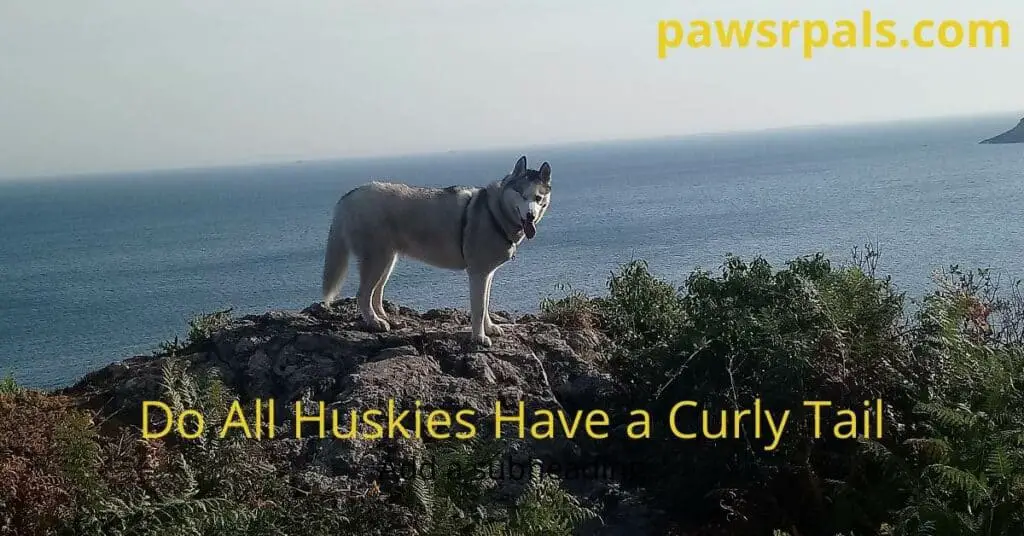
point(458, 228)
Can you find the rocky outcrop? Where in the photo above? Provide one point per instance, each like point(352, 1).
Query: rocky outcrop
point(327, 355)
point(427, 362)
point(1014, 135)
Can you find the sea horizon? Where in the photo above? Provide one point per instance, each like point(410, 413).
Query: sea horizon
point(103, 268)
point(512, 148)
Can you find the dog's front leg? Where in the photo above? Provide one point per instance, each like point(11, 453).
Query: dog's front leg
point(490, 328)
point(478, 306)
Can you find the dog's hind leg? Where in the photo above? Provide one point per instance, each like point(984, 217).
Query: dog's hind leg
point(477, 306)
point(490, 328)
point(377, 296)
point(372, 266)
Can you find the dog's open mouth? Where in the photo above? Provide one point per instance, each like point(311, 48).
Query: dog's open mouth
point(529, 228)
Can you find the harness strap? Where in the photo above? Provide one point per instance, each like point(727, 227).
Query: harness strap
point(494, 219)
point(481, 197)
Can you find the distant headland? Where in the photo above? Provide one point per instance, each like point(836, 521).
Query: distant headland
point(1014, 135)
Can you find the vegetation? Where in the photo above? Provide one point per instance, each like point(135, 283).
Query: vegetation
point(200, 328)
point(950, 459)
point(947, 369)
point(61, 477)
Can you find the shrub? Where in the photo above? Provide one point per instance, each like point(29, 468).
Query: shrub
point(810, 331)
point(951, 459)
point(48, 461)
point(573, 311)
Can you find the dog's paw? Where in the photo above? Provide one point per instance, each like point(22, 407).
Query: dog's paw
point(378, 324)
point(482, 340)
point(493, 330)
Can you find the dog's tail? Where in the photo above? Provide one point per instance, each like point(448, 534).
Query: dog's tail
point(335, 260)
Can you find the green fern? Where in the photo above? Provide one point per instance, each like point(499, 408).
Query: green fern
point(210, 477)
point(931, 450)
point(958, 419)
point(545, 509)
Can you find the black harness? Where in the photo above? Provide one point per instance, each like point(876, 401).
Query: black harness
point(481, 198)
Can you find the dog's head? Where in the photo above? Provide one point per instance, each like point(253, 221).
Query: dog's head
point(529, 191)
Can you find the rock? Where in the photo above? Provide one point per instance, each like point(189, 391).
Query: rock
point(1014, 135)
point(326, 354)
point(397, 351)
point(426, 362)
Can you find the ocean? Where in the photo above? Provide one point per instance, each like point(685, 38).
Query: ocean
point(94, 269)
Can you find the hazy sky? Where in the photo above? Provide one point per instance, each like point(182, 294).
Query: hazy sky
point(125, 84)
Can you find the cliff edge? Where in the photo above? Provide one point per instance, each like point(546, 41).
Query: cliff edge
point(1014, 135)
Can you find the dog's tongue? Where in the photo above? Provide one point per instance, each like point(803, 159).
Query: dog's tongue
point(530, 229)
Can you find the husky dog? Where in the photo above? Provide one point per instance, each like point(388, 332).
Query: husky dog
point(457, 228)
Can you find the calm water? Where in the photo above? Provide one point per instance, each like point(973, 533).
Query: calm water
point(95, 269)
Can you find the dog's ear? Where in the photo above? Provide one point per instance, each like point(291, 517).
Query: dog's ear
point(545, 173)
point(520, 167)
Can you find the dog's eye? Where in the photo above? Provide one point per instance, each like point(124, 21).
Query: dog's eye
point(538, 198)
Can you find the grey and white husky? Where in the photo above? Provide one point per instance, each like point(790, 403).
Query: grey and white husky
point(459, 228)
